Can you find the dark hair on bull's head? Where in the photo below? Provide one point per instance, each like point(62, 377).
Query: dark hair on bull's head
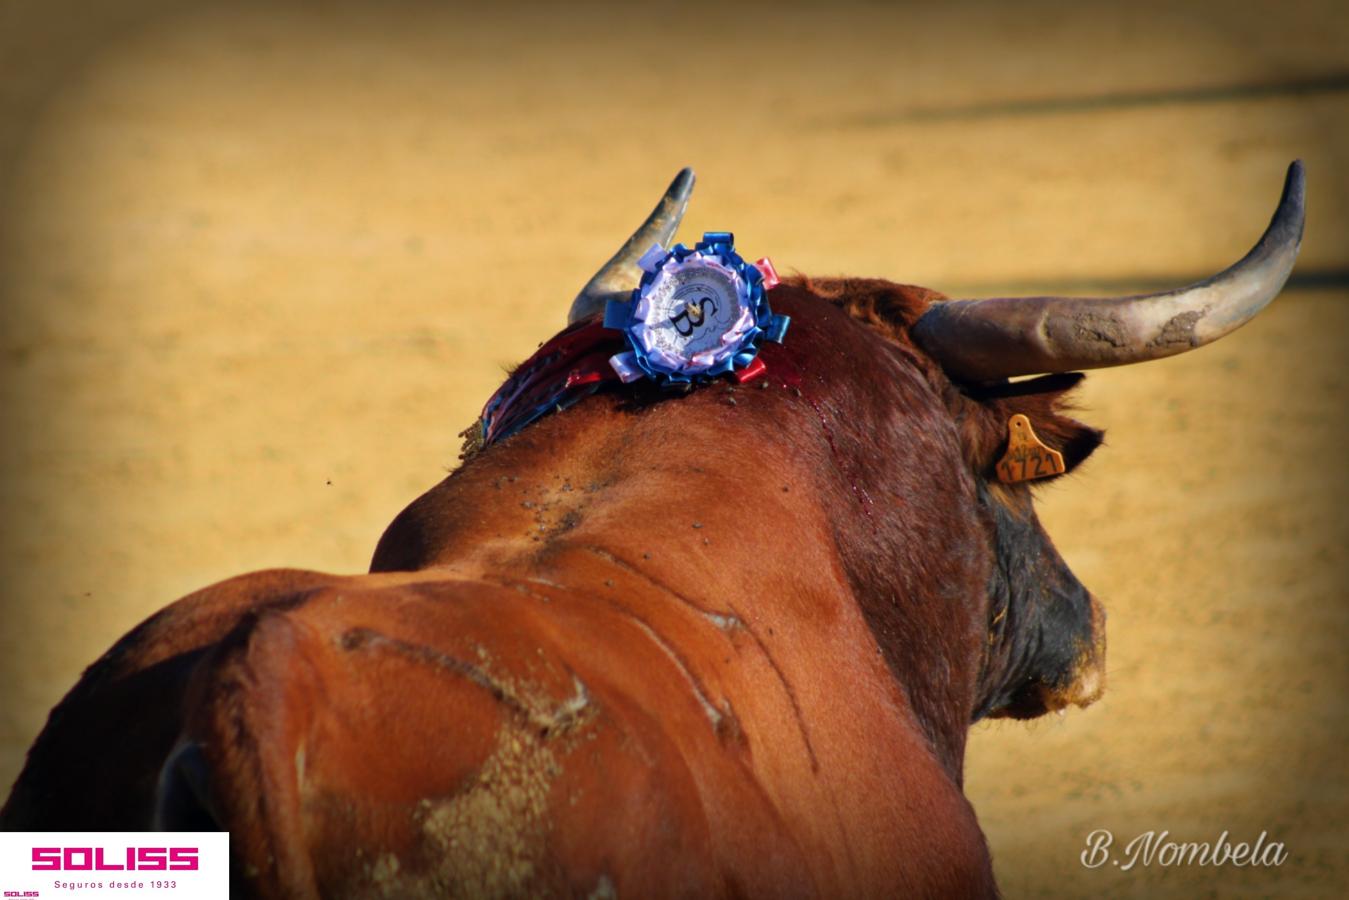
point(1044, 646)
point(939, 376)
point(1046, 632)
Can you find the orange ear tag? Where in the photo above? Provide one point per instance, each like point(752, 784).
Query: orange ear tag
point(1027, 457)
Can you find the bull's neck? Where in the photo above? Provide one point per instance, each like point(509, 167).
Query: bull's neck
point(697, 497)
point(776, 496)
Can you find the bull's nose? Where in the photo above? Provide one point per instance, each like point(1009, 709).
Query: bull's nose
point(1087, 681)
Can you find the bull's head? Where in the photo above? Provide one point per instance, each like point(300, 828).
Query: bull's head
point(1044, 642)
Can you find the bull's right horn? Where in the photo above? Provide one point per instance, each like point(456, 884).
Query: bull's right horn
point(986, 340)
point(620, 274)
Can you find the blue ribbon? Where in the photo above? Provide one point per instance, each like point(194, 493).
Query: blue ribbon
point(718, 245)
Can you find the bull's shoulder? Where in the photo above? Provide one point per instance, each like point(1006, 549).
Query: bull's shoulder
point(95, 762)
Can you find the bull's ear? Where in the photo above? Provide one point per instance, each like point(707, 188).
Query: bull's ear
point(1041, 401)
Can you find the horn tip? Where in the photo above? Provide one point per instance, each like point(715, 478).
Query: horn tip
point(682, 185)
point(1295, 182)
point(1291, 212)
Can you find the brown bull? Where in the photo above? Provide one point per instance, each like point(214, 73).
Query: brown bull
point(725, 643)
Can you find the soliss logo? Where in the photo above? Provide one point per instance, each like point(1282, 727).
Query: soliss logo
point(91, 859)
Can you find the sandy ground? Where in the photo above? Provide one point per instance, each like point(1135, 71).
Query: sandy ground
point(260, 265)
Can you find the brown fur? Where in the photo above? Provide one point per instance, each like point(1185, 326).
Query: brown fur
point(726, 643)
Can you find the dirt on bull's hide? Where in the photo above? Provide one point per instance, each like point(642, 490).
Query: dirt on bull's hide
point(489, 840)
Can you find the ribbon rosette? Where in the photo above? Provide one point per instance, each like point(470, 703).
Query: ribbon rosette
point(696, 314)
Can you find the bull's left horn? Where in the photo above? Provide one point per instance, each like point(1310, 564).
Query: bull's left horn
point(620, 275)
point(985, 340)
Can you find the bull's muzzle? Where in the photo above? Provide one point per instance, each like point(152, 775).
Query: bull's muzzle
point(1086, 680)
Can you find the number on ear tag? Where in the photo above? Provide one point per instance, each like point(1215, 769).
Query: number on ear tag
point(1027, 458)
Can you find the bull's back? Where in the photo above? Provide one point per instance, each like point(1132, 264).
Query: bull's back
point(476, 739)
point(416, 735)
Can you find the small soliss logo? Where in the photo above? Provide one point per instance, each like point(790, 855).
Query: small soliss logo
point(21, 893)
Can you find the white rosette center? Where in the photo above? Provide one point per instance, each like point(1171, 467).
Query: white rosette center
point(693, 316)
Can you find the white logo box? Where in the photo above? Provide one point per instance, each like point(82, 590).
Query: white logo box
point(124, 864)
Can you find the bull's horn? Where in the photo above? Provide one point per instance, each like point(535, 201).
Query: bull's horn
point(620, 274)
point(984, 340)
